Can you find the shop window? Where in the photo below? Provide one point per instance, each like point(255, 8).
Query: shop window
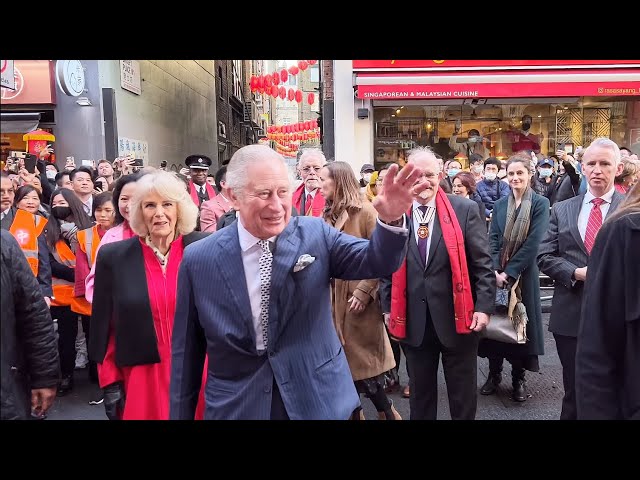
point(398, 128)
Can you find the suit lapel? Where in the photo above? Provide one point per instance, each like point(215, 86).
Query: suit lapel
point(615, 201)
point(413, 245)
point(282, 284)
point(573, 213)
point(436, 236)
point(231, 268)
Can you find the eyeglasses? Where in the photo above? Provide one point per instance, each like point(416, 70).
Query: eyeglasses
point(308, 169)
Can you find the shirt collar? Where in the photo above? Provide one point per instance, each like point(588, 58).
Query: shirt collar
point(247, 240)
point(430, 203)
point(312, 193)
point(607, 197)
point(6, 212)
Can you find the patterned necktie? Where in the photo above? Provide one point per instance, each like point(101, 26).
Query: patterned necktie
point(422, 242)
point(594, 224)
point(308, 205)
point(266, 259)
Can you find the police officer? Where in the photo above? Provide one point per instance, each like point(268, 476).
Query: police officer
point(199, 189)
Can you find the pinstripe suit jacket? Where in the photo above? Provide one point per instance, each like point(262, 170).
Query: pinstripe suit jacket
point(304, 355)
point(562, 251)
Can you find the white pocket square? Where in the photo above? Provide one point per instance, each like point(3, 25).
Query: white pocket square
point(303, 262)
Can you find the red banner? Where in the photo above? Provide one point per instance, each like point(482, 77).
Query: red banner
point(484, 64)
point(35, 84)
point(498, 90)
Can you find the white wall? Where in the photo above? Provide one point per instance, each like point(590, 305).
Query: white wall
point(353, 136)
point(175, 112)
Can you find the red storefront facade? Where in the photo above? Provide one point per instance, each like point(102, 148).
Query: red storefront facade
point(570, 102)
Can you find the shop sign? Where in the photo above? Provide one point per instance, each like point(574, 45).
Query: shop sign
point(34, 84)
point(498, 90)
point(6, 70)
point(70, 77)
point(422, 65)
point(130, 76)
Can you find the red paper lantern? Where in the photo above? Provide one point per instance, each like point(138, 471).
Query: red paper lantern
point(310, 98)
point(302, 65)
point(268, 82)
point(260, 82)
point(254, 83)
point(284, 75)
point(307, 125)
point(274, 91)
point(298, 96)
point(275, 78)
point(312, 62)
point(291, 94)
point(293, 70)
point(282, 92)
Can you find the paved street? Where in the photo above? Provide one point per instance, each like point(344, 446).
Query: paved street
point(544, 387)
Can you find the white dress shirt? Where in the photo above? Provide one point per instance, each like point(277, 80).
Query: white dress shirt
point(585, 209)
point(88, 206)
point(251, 253)
point(4, 214)
point(416, 224)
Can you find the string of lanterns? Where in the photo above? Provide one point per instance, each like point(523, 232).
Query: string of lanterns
point(268, 84)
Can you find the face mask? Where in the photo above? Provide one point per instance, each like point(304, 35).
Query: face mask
point(490, 176)
point(502, 173)
point(367, 177)
point(545, 172)
point(473, 139)
point(51, 175)
point(453, 172)
point(526, 126)
point(61, 212)
point(478, 169)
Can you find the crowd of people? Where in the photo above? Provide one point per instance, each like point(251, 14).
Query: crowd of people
point(176, 291)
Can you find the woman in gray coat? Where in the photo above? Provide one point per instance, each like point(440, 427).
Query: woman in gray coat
point(519, 221)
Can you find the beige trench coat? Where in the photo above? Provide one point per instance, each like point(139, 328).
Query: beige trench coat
point(363, 335)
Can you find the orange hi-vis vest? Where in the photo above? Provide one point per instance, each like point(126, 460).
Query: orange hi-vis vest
point(88, 240)
point(26, 228)
point(62, 289)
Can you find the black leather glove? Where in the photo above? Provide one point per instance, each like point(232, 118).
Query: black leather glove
point(114, 399)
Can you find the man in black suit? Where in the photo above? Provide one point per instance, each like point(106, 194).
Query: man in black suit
point(564, 253)
point(431, 330)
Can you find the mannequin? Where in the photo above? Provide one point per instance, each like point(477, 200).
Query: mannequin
point(523, 139)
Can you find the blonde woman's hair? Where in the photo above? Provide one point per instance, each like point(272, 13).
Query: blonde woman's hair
point(169, 187)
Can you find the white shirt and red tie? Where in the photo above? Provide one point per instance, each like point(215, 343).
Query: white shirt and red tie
point(592, 213)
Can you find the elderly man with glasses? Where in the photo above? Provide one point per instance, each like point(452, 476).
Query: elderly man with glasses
point(308, 199)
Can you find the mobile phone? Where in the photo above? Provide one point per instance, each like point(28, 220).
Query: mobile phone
point(138, 162)
point(87, 163)
point(560, 146)
point(30, 162)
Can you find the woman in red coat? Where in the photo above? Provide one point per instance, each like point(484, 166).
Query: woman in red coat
point(135, 298)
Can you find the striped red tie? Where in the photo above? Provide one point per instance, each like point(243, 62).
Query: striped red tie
point(594, 224)
point(309, 205)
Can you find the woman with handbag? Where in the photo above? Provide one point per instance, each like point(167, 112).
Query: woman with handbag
point(518, 223)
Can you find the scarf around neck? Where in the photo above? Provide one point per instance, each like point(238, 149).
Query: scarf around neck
point(462, 298)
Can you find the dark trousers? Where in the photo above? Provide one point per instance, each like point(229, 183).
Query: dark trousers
point(460, 372)
point(67, 333)
point(278, 410)
point(397, 348)
point(517, 369)
point(92, 367)
point(566, 347)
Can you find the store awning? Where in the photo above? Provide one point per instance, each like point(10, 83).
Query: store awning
point(492, 84)
point(18, 122)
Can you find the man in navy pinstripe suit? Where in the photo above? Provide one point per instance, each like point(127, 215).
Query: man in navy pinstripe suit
point(254, 297)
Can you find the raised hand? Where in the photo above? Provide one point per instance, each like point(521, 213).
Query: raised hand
point(398, 190)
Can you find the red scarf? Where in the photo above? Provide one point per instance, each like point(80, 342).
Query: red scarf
point(194, 194)
point(462, 298)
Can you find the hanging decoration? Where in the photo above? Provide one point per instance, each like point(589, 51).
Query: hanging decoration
point(311, 98)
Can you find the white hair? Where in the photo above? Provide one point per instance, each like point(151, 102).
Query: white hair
point(425, 152)
point(604, 142)
point(237, 177)
point(170, 187)
point(310, 154)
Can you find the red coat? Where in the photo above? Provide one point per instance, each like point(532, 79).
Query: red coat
point(318, 202)
point(211, 211)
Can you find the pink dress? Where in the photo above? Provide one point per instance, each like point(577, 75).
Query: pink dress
point(147, 386)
